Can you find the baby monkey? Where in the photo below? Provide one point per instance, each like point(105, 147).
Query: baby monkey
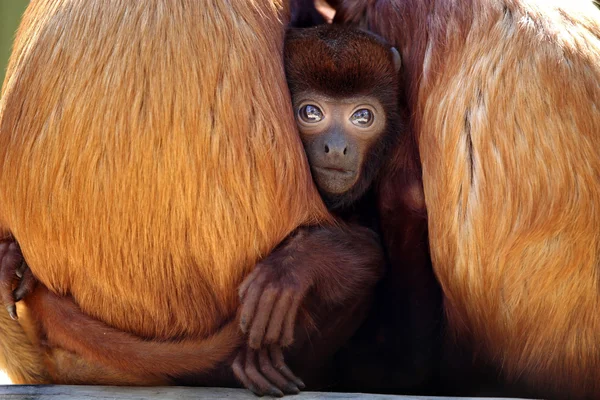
point(351, 113)
point(344, 86)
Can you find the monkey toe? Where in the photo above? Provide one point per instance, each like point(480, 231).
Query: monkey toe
point(258, 383)
point(240, 374)
point(270, 372)
point(258, 371)
point(261, 384)
point(278, 361)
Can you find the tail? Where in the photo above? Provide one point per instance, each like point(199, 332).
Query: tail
point(20, 359)
point(68, 327)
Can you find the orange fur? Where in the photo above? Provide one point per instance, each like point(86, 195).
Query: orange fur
point(20, 357)
point(505, 100)
point(150, 158)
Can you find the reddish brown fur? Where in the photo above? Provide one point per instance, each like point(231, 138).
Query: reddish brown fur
point(143, 170)
point(323, 275)
point(505, 100)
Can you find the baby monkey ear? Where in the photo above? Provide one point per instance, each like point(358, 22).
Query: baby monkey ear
point(397, 59)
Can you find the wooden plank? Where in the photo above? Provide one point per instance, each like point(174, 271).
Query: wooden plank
point(63, 392)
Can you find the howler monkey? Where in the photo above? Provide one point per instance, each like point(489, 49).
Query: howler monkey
point(347, 100)
point(344, 87)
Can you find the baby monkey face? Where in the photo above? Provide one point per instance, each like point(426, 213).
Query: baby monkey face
point(337, 134)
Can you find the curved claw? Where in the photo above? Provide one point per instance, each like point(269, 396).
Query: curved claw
point(21, 269)
point(12, 311)
point(26, 284)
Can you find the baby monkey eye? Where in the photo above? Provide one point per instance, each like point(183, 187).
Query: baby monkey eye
point(362, 118)
point(311, 114)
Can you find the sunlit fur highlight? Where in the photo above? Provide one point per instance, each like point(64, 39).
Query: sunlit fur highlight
point(505, 99)
point(149, 157)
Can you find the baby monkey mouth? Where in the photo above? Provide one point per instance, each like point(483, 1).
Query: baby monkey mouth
point(334, 179)
point(331, 169)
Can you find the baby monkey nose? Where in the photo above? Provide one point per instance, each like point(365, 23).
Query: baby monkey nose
point(333, 150)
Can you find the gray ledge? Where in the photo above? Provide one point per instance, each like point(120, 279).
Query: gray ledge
point(60, 392)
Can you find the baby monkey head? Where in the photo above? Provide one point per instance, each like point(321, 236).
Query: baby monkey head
point(344, 86)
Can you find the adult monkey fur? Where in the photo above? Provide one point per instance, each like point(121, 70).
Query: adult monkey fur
point(505, 104)
point(137, 196)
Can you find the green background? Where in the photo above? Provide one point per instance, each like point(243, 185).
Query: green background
point(10, 15)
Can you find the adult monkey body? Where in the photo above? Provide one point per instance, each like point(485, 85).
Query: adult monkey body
point(144, 176)
point(506, 109)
